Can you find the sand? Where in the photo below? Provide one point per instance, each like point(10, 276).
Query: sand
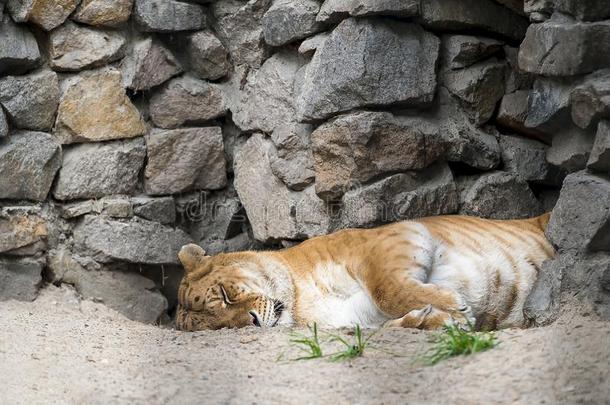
point(59, 349)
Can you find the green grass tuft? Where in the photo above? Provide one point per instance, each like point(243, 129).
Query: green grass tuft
point(312, 345)
point(455, 341)
point(308, 344)
point(352, 350)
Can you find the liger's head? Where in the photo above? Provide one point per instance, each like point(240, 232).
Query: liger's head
point(223, 291)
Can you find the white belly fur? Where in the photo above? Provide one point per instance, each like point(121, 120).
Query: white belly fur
point(347, 302)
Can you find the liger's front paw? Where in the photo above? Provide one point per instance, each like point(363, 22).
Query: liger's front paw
point(463, 317)
point(413, 319)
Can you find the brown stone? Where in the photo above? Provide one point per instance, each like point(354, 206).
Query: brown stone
point(185, 159)
point(21, 230)
point(73, 47)
point(94, 107)
point(186, 100)
point(47, 14)
point(109, 13)
point(149, 64)
point(356, 148)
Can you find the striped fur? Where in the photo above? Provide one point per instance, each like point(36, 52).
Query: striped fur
point(420, 273)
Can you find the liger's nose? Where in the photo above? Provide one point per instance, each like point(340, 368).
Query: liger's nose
point(255, 320)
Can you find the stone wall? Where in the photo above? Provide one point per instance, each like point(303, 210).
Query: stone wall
point(131, 127)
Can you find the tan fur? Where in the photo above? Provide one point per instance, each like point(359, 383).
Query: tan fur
point(420, 273)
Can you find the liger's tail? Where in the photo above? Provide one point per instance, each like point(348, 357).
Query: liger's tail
point(543, 220)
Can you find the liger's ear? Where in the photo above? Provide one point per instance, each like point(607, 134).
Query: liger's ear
point(192, 257)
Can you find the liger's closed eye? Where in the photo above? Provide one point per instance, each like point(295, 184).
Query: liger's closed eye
point(225, 296)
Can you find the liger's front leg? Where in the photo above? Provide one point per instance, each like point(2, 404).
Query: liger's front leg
point(414, 304)
point(429, 318)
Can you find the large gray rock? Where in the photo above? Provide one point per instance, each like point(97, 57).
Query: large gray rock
point(431, 191)
point(478, 87)
point(599, 159)
point(591, 100)
point(18, 48)
point(129, 293)
point(161, 209)
point(94, 107)
point(354, 68)
point(333, 11)
point(168, 16)
point(548, 105)
point(219, 216)
point(473, 14)
point(460, 51)
point(73, 47)
point(264, 100)
point(466, 143)
point(134, 241)
point(22, 231)
point(31, 101)
point(274, 211)
point(186, 100)
point(582, 276)
point(185, 159)
point(3, 124)
point(541, 306)
point(291, 158)
point(31, 159)
point(47, 14)
point(585, 277)
point(570, 149)
point(207, 56)
point(564, 48)
point(586, 10)
point(97, 169)
point(149, 64)
point(355, 148)
point(512, 114)
point(500, 195)
point(527, 158)
point(20, 280)
point(107, 13)
point(289, 20)
point(581, 218)
point(239, 27)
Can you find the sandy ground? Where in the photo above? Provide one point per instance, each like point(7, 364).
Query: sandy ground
point(59, 349)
